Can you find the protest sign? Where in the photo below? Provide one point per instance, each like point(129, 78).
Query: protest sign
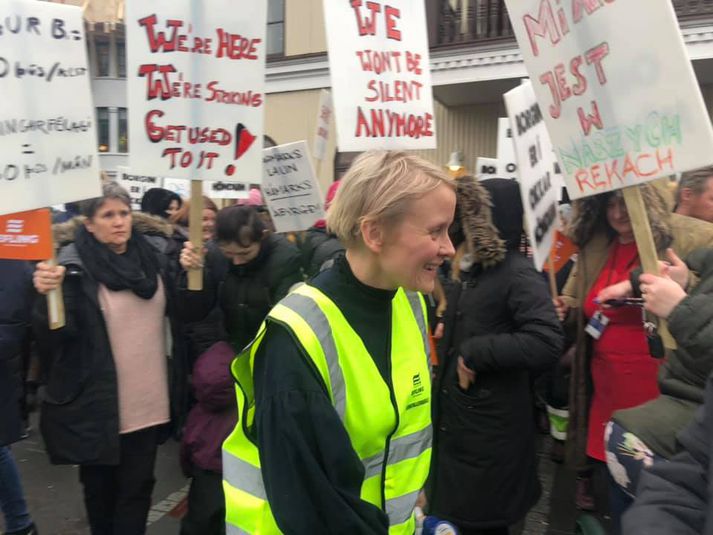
point(616, 89)
point(535, 161)
point(324, 116)
point(211, 188)
point(26, 235)
point(486, 168)
point(507, 161)
point(563, 249)
point(196, 88)
point(136, 185)
point(47, 131)
point(381, 78)
point(290, 188)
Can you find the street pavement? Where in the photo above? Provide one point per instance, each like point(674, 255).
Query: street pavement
point(55, 501)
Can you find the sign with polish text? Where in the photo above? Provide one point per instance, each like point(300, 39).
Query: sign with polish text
point(47, 134)
point(290, 188)
point(196, 75)
point(381, 77)
point(535, 162)
point(486, 168)
point(506, 150)
point(616, 89)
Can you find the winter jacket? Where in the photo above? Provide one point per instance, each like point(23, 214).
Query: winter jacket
point(244, 294)
point(80, 414)
point(682, 379)
point(16, 296)
point(318, 248)
point(214, 415)
point(589, 232)
point(501, 320)
point(676, 497)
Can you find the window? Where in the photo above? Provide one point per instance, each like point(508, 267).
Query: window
point(123, 131)
point(121, 58)
point(275, 41)
point(102, 49)
point(103, 129)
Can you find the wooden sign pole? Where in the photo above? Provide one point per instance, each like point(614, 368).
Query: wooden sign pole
point(647, 247)
point(552, 277)
point(55, 299)
point(195, 232)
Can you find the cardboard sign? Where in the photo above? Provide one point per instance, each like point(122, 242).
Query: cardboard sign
point(26, 235)
point(507, 160)
point(212, 189)
point(562, 251)
point(47, 136)
point(535, 161)
point(136, 185)
point(290, 188)
point(196, 88)
point(487, 168)
point(381, 78)
point(324, 116)
point(616, 88)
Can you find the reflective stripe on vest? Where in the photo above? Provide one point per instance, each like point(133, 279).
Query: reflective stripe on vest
point(361, 398)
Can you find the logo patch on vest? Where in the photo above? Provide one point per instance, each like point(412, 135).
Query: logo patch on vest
point(417, 392)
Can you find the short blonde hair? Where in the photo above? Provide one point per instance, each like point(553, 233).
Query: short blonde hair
point(379, 186)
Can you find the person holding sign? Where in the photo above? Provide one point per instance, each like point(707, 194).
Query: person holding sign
point(621, 369)
point(500, 326)
point(107, 402)
point(334, 396)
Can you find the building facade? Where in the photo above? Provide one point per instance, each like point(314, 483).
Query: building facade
point(474, 61)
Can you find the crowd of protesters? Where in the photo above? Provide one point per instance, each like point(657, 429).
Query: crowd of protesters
point(334, 426)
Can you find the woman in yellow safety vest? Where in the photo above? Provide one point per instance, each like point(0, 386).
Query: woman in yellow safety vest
point(334, 394)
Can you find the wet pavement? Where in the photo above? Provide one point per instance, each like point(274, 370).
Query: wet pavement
point(54, 494)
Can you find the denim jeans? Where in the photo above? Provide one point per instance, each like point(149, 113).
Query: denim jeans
point(12, 500)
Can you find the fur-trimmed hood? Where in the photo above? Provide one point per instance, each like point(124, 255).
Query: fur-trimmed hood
point(589, 217)
point(486, 230)
point(149, 225)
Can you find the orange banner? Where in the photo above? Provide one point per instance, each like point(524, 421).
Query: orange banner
point(562, 250)
point(26, 235)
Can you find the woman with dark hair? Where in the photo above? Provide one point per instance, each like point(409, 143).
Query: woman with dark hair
point(108, 398)
point(161, 202)
point(247, 270)
point(500, 327)
point(613, 368)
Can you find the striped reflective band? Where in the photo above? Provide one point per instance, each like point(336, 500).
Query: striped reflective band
point(315, 318)
point(400, 509)
point(414, 299)
point(400, 449)
point(243, 476)
point(230, 529)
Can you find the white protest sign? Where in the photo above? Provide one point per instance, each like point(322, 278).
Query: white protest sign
point(136, 185)
point(196, 88)
point(506, 150)
point(211, 188)
point(381, 78)
point(616, 88)
point(486, 168)
point(290, 188)
point(535, 160)
point(48, 140)
point(324, 114)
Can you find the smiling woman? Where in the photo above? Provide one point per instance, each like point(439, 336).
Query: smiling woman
point(338, 374)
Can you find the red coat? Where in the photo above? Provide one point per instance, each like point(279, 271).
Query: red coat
point(624, 374)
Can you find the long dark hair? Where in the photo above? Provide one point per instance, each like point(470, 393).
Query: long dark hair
point(239, 224)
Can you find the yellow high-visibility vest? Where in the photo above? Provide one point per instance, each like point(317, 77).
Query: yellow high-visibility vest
point(389, 425)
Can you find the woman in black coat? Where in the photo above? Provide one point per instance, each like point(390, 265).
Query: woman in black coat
point(500, 326)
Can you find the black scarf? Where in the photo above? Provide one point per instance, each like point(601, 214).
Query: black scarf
point(136, 270)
